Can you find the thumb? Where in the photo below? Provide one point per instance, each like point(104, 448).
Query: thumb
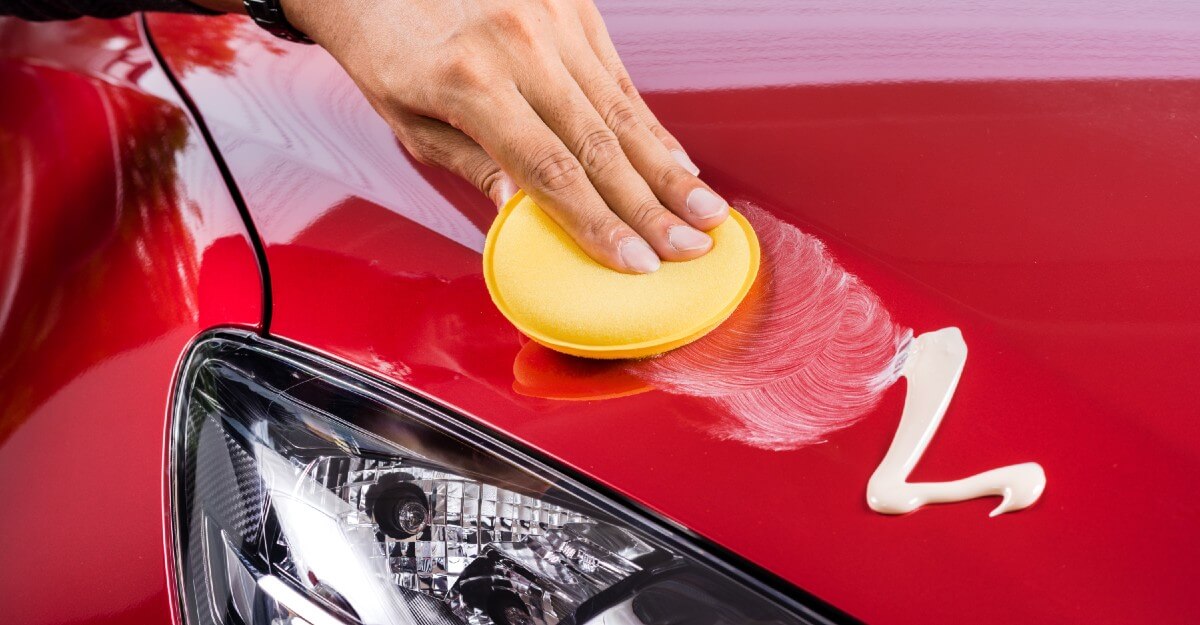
point(434, 142)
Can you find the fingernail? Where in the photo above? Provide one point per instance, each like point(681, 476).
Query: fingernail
point(704, 204)
point(681, 157)
point(638, 256)
point(687, 238)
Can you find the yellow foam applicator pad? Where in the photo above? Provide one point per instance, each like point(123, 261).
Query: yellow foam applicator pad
point(557, 295)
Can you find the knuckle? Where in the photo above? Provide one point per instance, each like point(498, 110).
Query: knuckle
point(670, 176)
point(658, 130)
point(554, 169)
point(596, 226)
point(463, 73)
point(627, 86)
point(487, 179)
point(514, 23)
point(620, 116)
point(599, 150)
point(647, 212)
point(504, 16)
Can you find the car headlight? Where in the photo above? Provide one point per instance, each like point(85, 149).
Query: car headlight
point(304, 492)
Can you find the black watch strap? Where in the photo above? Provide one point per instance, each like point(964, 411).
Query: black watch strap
point(269, 15)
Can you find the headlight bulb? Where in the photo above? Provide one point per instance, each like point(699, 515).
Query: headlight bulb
point(400, 507)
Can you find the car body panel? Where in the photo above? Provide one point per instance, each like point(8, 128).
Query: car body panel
point(119, 242)
point(1022, 172)
point(1040, 196)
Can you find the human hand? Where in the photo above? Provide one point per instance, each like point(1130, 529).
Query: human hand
point(530, 91)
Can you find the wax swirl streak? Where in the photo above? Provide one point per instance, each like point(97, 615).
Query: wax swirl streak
point(810, 351)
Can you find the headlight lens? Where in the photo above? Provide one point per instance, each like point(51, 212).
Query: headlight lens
point(307, 493)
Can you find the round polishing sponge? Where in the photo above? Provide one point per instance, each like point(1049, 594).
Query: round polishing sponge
point(555, 294)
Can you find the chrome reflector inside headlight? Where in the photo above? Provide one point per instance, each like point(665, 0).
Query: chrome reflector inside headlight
point(305, 492)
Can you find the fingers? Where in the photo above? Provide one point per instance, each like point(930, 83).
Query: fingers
point(517, 138)
point(568, 126)
point(602, 153)
point(437, 143)
point(671, 182)
point(602, 46)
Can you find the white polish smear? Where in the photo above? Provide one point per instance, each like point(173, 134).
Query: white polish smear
point(811, 351)
point(934, 364)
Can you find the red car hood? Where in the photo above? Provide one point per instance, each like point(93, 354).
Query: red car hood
point(1027, 175)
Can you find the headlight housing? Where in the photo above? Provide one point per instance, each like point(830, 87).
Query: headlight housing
point(304, 492)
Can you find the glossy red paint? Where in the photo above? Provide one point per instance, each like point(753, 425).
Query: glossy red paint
point(118, 243)
point(1024, 173)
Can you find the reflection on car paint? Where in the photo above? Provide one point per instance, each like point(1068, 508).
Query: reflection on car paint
point(121, 150)
point(119, 241)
